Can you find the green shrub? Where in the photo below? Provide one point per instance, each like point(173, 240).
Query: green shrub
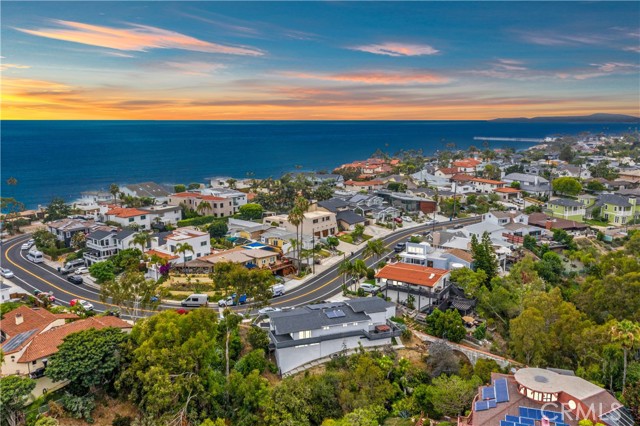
point(371, 273)
point(79, 407)
point(121, 420)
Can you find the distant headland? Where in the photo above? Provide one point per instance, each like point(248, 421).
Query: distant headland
point(593, 118)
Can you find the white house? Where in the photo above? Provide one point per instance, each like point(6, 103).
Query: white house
point(313, 332)
point(198, 240)
point(428, 286)
point(102, 244)
point(237, 198)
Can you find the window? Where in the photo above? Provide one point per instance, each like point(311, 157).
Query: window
point(143, 217)
point(203, 243)
point(130, 219)
point(326, 327)
point(33, 362)
point(315, 220)
point(304, 334)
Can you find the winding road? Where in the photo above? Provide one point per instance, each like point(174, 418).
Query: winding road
point(31, 276)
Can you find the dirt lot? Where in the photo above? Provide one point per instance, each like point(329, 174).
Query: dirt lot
point(104, 413)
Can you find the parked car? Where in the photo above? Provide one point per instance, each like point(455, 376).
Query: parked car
point(71, 266)
point(397, 220)
point(400, 247)
point(7, 273)
point(459, 226)
point(28, 245)
point(268, 310)
point(83, 303)
point(195, 300)
point(369, 288)
point(407, 219)
point(231, 300)
point(82, 270)
point(432, 222)
point(75, 279)
point(37, 373)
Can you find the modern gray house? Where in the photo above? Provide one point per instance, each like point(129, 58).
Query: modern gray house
point(311, 332)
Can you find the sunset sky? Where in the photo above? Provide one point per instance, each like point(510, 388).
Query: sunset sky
point(318, 60)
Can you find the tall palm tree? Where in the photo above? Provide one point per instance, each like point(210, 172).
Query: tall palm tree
point(114, 190)
point(627, 333)
point(345, 268)
point(359, 269)
point(183, 248)
point(302, 204)
point(203, 207)
point(142, 239)
point(295, 218)
point(374, 248)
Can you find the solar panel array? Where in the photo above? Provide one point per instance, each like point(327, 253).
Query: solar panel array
point(502, 390)
point(335, 314)
point(17, 340)
point(538, 414)
point(491, 395)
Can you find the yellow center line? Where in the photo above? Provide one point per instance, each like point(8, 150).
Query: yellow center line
point(6, 256)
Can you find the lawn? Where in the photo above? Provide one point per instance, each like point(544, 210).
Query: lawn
point(596, 222)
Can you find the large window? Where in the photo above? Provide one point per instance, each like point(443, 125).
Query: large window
point(304, 334)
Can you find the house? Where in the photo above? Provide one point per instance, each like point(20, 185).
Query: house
point(281, 238)
point(533, 394)
point(347, 220)
point(544, 221)
point(31, 336)
point(334, 205)
point(532, 184)
point(238, 198)
point(504, 218)
point(247, 229)
point(368, 185)
point(427, 286)
point(632, 175)
point(102, 244)
point(220, 181)
point(407, 202)
point(205, 204)
point(567, 170)
point(147, 190)
point(199, 241)
point(426, 255)
point(95, 197)
point(312, 332)
point(64, 229)
point(446, 172)
point(249, 257)
point(467, 165)
point(566, 209)
point(618, 209)
point(316, 222)
point(430, 179)
point(323, 178)
point(508, 193)
point(486, 185)
point(127, 217)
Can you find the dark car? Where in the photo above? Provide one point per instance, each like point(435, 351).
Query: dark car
point(75, 279)
point(400, 247)
point(36, 374)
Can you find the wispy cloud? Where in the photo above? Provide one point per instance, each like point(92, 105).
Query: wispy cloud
point(397, 49)
point(375, 77)
point(136, 37)
point(194, 67)
point(4, 67)
point(555, 39)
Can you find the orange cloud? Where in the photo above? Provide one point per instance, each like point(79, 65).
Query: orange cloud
point(135, 38)
point(375, 77)
point(397, 49)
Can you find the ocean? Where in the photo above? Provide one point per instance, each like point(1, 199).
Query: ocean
point(63, 158)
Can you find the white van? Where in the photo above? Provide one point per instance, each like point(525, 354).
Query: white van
point(35, 256)
point(72, 265)
point(195, 300)
point(278, 290)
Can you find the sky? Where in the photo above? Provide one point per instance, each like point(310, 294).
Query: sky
point(318, 60)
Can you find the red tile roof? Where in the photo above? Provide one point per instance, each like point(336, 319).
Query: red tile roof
point(36, 318)
point(466, 163)
point(493, 182)
point(47, 343)
point(412, 274)
point(449, 170)
point(507, 190)
point(124, 212)
point(161, 255)
point(197, 196)
point(365, 183)
point(462, 177)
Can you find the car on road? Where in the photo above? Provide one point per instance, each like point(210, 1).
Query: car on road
point(231, 300)
point(432, 222)
point(195, 301)
point(268, 310)
point(399, 247)
point(82, 270)
point(75, 279)
point(458, 226)
point(407, 219)
point(83, 303)
point(7, 273)
point(28, 245)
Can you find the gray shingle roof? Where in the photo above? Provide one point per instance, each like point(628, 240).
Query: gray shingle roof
point(333, 204)
point(368, 304)
point(124, 233)
point(613, 199)
point(565, 202)
point(148, 189)
point(349, 217)
point(523, 177)
point(98, 235)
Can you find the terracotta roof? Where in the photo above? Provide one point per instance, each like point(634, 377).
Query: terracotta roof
point(412, 274)
point(162, 255)
point(197, 196)
point(47, 343)
point(210, 198)
point(462, 177)
point(250, 196)
point(31, 319)
point(507, 190)
point(461, 254)
point(449, 170)
point(126, 212)
point(494, 182)
point(467, 162)
point(540, 220)
point(183, 194)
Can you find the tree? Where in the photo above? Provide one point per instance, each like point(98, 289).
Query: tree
point(348, 173)
point(452, 395)
point(323, 192)
point(566, 186)
point(14, 394)
point(218, 229)
point(251, 211)
point(441, 359)
point(114, 190)
point(470, 281)
point(333, 242)
point(79, 240)
point(566, 153)
point(345, 269)
point(448, 325)
point(44, 239)
point(57, 209)
point(11, 206)
point(296, 216)
point(550, 268)
point(358, 232)
point(142, 239)
point(130, 292)
point(491, 172)
point(183, 248)
point(515, 184)
point(179, 188)
point(102, 271)
point(627, 334)
point(88, 358)
point(483, 257)
point(202, 207)
point(374, 248)
point(595, 186)
point(602, 170)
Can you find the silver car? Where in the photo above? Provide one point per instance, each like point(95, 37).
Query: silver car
point(7, 273)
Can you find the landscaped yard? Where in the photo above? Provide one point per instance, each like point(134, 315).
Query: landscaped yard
point(347, 238)
point(596, 222)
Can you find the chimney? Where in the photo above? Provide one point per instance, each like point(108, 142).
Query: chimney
point(19, 319)
point(548, 224)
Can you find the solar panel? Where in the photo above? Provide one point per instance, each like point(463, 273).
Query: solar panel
point(502, 390)
point(488, 392)
point(512, 418)
point(481, 406)
point(527, 421)
point(492, 403)
point(335, 314)
point(18, 340)
point(506, 423)
point(553, 416)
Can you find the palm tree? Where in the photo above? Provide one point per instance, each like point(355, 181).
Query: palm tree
point(203, 207)
point(296, 216)
point(183, 248)
point(345, 268)
point(142, 239)
point(114, 190)
point(374, 248)
point(627, 333)
point(359, 269)
point(302, 204)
